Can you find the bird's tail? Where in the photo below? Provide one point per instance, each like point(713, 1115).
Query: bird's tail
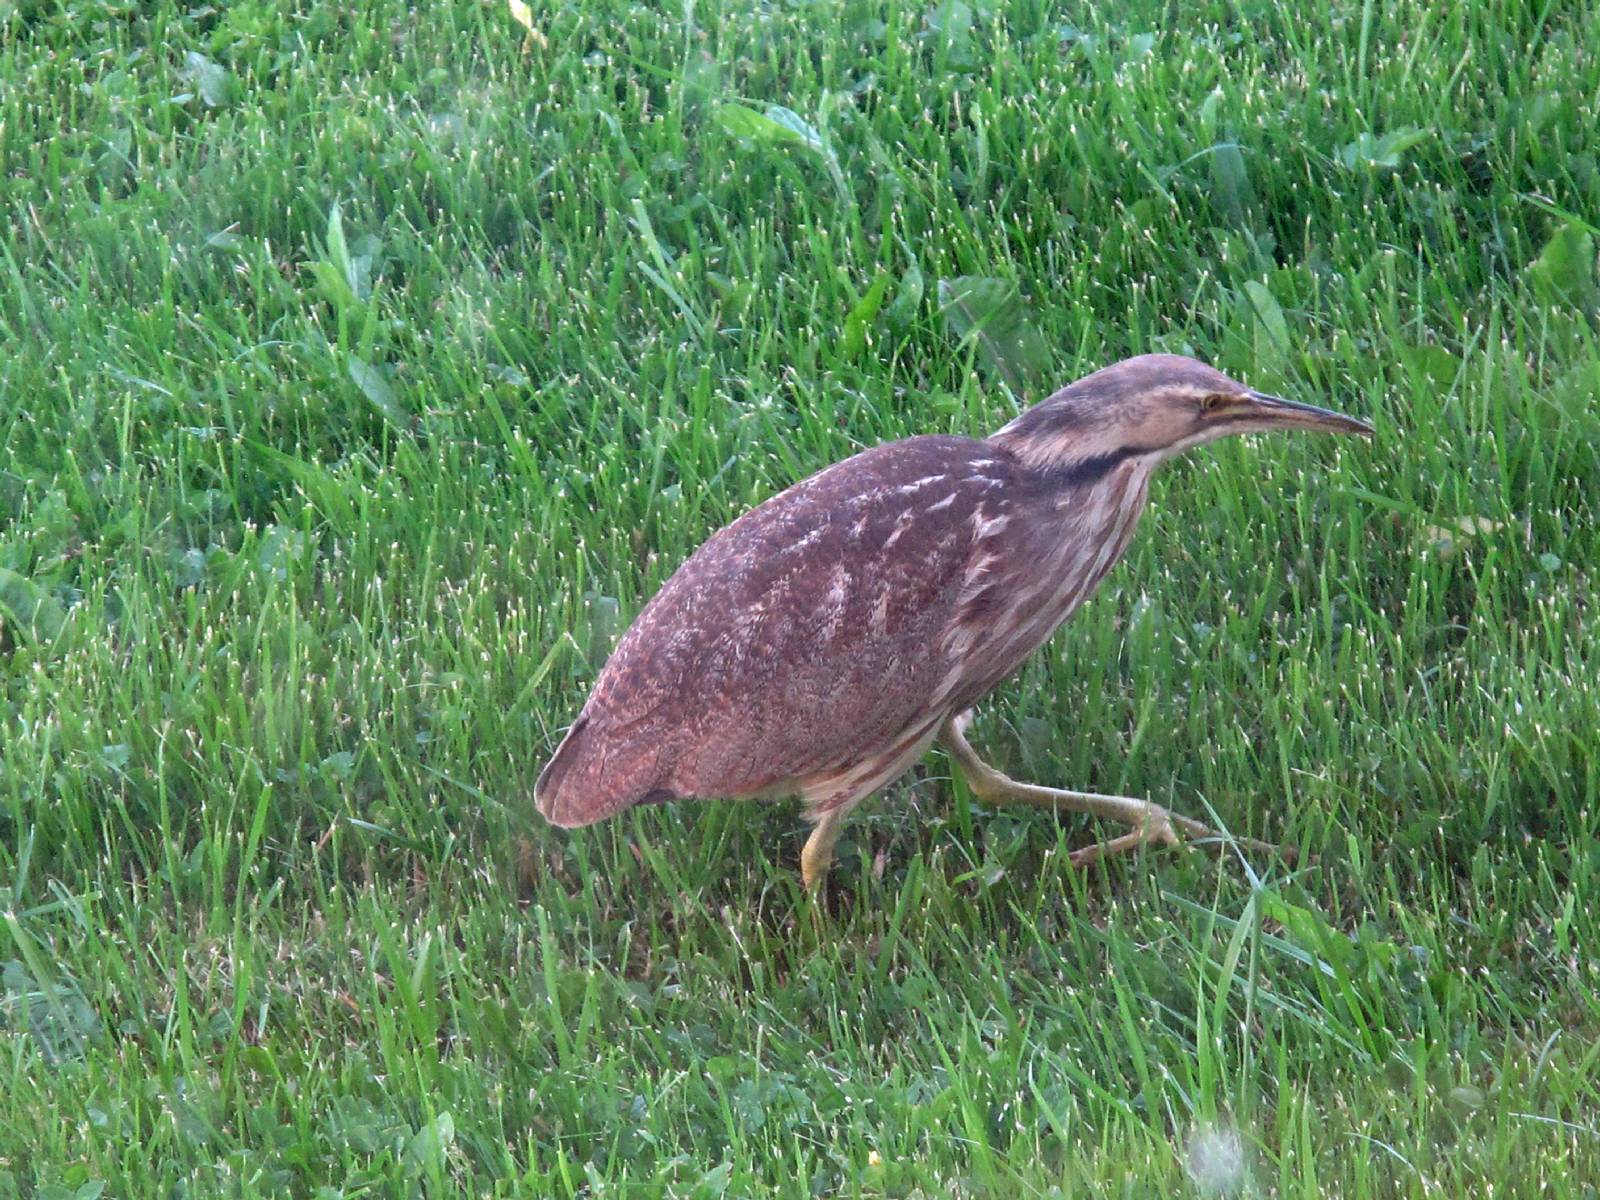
point(590, 778)
point(558, 791)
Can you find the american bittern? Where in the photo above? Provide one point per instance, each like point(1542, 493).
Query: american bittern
point(822, 642)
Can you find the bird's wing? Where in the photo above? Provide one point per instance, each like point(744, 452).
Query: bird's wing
point(808, 635)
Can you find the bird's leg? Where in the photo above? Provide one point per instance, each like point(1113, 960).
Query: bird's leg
point(1151, 822)
point(818, 852)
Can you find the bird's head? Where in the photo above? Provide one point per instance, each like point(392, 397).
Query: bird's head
point(1155, 405)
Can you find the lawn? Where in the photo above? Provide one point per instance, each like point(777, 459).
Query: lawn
point(366, 368)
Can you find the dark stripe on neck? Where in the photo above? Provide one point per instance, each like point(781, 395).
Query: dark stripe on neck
point(1088, 471)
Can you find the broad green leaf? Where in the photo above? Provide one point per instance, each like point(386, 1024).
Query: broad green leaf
point(27, 606)
point(1310, 931)
point(333, 284)
point(430, 1146)
point(784, 126)
point(1564, 272)
point(602, 618)
point(862, 316)
point(280, 548)
point(787, 118)
point(1271, 329)
point(1230, 184)
point(990, 314)
point(1370, 153)
point(1437, 365)
point(338, 251)
point(376, 388)
point(713, 1183)
point(1208, 113)
point(748, 123)
point(210, 78)
point(336, 272)
point(907, 297)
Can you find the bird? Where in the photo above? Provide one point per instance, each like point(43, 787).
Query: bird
point(821, 643)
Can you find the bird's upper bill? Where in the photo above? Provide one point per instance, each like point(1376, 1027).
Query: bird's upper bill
point(1257, 412)
point(1155, 405)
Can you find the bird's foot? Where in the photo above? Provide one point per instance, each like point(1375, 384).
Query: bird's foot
point(1157, 829)
point(1162, 828)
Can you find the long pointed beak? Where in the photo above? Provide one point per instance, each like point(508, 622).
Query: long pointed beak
point(1264, 412)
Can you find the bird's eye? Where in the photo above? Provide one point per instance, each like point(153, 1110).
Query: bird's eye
point(1211, 404)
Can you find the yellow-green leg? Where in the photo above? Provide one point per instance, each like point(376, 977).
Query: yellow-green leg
point(818, 852)
point(1150, 822)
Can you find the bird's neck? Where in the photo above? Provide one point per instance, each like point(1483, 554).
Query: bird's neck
point(1071, 459)
point(1056, 438)
point(1114, 466)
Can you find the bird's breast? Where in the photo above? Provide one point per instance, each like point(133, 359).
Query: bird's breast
point(1036, 557)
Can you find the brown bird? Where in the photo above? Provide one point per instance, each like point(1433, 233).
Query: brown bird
point(822, 642)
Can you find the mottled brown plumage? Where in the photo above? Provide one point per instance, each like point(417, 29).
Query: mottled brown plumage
point(819, 644)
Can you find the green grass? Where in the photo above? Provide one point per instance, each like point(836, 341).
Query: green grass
point(366, 369)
